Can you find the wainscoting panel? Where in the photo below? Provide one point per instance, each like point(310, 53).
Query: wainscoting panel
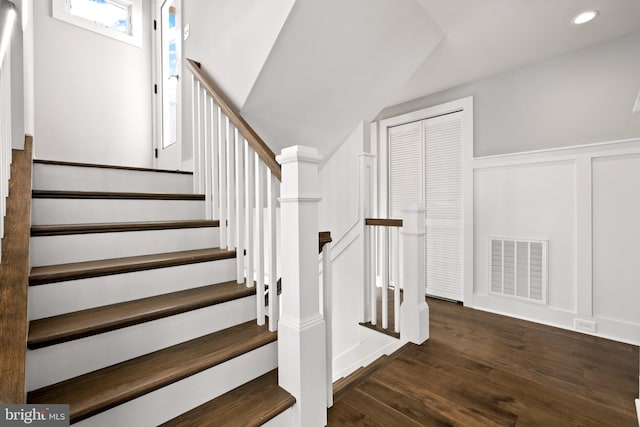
point(616, 237)
point(531, 202)
point(585, 201)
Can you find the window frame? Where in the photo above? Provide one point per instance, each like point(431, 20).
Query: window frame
point(61, 10)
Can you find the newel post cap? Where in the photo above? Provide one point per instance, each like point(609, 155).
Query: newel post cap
point(299, 154)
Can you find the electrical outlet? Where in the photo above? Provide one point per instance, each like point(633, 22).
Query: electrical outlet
point(636, 107)
point(584, 325)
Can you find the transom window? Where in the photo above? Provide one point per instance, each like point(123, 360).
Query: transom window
point(120, 19)
point(108, 13)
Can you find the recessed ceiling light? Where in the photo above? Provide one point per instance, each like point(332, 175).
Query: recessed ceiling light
point(585, 17)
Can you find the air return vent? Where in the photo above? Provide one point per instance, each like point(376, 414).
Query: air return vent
point(518, 268)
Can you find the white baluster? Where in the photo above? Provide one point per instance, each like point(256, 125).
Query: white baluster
point(260, 187)
point(301, 331)
point(197, 156)
point(193, 130)
point(374, 270)
point(384, 273)
point(208, 204)
point(250, 214)
point(214, 116)
point(230, 185)
point(327, 299)
point(239, 157)
point(396, 279)
point(222, 169)
point(414, 309)
point(274, 306)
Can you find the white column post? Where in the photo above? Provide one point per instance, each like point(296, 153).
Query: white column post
point(301, 331)
point(414, 311)
point(365, 209)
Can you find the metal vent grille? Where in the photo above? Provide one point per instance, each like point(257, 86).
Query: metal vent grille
point(518, 268)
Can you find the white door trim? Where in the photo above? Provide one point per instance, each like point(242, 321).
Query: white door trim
point(156, 76)
point(466, 106)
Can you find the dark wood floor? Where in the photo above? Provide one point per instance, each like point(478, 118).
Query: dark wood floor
point(481, 369)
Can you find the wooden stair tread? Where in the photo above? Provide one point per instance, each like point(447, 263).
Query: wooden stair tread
point(86, 269)
point(251, 404)
point(80, 324)
point(378, 328)
point(111, 227)
point(103, 389)
point(60, 194)
point(101, 166)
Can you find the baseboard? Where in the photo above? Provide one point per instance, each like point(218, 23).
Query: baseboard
point(607, 328)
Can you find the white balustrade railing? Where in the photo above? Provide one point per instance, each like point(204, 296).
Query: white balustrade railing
point(240, 179)
point(395, 256)
point(382, 255)
point(240, 190)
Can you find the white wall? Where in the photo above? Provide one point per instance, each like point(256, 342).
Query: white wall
point(231, 39)
point(581, 199)
point(579, 98)
point(585, 202)
point(339, 213)
point(92, 93)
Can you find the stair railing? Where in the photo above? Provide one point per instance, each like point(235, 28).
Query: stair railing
point(7, 18)
point(394, 258)
point(382, 261)
point(240, 178)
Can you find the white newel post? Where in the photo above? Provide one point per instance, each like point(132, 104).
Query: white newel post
point(414, 311)
point(301, 331)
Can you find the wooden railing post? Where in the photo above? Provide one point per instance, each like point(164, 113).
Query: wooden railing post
point(301, 331)
point(414, 311)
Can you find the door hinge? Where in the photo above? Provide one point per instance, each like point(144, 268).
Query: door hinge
point(156, 153)
point(155, 89)
point(155, 25)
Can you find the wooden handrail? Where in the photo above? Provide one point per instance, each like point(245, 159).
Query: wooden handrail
point(381, 222)
point(258, 145)
point(324, 237)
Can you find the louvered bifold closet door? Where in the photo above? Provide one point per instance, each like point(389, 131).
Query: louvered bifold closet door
point(405, 176)
point(405, 167)
point(443, 201)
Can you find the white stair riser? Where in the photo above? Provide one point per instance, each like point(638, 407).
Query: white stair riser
point(49, 250)
point(284, 419)
point(65, 297)
point(83, 211)
point(168, 402)
point(76, 178)
point(55, 363)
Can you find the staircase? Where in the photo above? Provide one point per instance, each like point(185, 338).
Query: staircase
point(136, 316)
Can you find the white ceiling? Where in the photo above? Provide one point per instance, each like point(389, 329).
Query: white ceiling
point(486, 37)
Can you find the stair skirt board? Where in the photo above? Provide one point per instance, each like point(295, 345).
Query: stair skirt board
point(74, 295)
point(49, 250)
point(81, 178)
point(168, 402)
point(82, 211)
point(55, 363)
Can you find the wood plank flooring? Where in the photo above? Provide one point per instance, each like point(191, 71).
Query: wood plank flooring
point(482, 369)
